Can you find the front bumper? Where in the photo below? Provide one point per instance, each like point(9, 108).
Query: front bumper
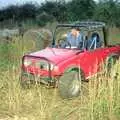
point(37, 79)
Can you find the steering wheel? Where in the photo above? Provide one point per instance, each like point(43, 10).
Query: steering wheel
point(82, 45)
point(63, 43)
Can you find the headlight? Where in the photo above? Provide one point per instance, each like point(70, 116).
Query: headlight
point(44, 65)
point(27, 62)
point(39, 63)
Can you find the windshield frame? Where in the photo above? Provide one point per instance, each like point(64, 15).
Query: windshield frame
point(88, 26)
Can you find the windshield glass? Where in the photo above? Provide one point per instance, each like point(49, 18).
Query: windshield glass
point(67, 37)
point(78, 38)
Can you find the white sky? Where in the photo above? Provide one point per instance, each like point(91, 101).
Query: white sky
point(4, 3)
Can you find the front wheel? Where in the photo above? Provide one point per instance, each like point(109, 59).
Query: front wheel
point(70, 84)
point(25, 80)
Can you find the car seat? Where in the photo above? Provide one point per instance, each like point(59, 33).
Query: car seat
point(94, 41)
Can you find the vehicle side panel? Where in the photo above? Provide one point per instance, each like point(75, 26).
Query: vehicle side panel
point(89, 61)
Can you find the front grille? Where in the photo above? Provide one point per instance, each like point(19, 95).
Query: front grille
point(31, 77)
point(27, 76)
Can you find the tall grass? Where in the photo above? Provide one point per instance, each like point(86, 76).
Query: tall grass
point(99, 101)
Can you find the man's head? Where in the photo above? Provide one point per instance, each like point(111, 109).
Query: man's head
point(75, 31)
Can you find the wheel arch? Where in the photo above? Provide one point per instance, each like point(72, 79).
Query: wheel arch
point(113, 55)
point(73, 68)
point(76, 69)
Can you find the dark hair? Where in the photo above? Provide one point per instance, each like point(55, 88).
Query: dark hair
point(77, 28)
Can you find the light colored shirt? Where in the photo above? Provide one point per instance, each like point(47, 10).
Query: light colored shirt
point(74, 41)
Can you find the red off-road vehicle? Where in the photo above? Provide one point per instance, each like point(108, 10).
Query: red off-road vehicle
point(66, 67)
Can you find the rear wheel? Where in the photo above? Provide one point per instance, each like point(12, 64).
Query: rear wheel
point(111, 60)
point(109, 64)
point(70, 84)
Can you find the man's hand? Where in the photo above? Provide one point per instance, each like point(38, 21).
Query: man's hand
point(64, 35)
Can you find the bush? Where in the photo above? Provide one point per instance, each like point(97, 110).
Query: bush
point(44, 18)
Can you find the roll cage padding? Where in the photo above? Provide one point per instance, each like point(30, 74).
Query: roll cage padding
point(94, 42)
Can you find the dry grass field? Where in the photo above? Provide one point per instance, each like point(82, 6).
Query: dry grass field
point(99, 101)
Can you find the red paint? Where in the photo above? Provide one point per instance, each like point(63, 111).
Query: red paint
point(88, 61)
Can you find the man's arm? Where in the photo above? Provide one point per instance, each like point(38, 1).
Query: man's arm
point(81, 40)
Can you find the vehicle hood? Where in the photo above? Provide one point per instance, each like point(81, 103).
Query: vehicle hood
point(55, 55)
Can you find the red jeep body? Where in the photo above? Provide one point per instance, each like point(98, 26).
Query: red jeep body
point(51, 62)
point(62, 59)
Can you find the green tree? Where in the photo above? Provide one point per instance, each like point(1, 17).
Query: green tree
point(57, 9)
point(19, 13)
point(108, 11)
point(44, 18)
point(27, 11)
point(80, 9)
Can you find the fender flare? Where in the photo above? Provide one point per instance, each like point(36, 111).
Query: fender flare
point(111, 60)
point(77, 69)
point(113, 55)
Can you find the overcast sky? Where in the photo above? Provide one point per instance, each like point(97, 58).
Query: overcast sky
point(4, 3)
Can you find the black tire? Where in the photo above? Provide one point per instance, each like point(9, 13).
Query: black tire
point(70, 84)
point(25, 84)
point(110, 62)
point(25, 81)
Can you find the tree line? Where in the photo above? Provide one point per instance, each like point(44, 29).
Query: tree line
point(75, 10)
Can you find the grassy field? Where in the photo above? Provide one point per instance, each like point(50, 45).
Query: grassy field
point(99, 101)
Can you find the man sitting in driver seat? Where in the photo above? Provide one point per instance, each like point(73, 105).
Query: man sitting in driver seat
point(75, 38)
